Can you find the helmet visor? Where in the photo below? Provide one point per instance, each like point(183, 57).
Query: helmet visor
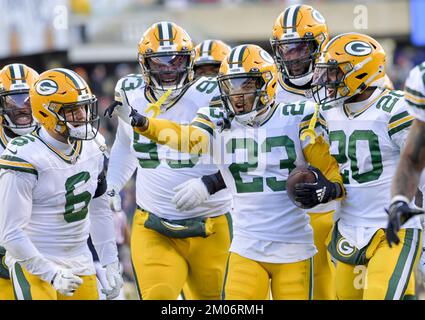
point(168, 70)
point(242, 92)
point(83, 117)
point(17, 109)
point(327, 82)
point(297, 57)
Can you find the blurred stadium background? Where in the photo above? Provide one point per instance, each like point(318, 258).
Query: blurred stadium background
point(98, 39)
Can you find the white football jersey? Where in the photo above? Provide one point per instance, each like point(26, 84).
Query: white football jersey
point(160, 168)
point(4, 139)
point(255, 164)
point(286, 94)
point(367, 147)
point(59, 224)
point(415, 92)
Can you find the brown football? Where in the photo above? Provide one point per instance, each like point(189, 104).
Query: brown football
point(301, 174)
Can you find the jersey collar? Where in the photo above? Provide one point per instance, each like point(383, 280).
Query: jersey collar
point(71, 158)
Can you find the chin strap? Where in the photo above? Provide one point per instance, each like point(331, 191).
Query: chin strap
point(309, 132)
point(156, 107)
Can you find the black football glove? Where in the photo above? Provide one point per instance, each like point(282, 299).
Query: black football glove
point(398, 214)
point(321, 191)
point(137, 120)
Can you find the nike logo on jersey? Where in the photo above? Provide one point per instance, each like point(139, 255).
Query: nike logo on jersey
point(13, 152)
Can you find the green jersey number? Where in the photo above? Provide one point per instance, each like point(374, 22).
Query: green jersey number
point(153, 161)
point(251, 147)
point(344, 154)
point(72, 211)
point(21, 141)
point(207, 86)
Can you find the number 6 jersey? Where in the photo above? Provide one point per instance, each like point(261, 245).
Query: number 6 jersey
point(52, 207)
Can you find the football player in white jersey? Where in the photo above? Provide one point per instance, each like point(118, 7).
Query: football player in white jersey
point(15, 120)
point(410, 167)
point(208, 57)
point(169, 247)
point(368, 126)
point(299, 34)
point(256, 143)
point(58, 171)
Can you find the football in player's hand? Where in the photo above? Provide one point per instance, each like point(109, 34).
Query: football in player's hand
point(301, 174)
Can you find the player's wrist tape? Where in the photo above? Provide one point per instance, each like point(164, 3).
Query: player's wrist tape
point(214, 182)
point(399, 197)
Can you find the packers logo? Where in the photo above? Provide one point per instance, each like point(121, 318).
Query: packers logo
point(358, 48)
point(344, 248)
point(46, 87)
point(318, 17)
point(268, 58)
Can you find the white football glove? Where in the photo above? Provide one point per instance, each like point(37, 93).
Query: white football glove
point(190, 194)
point(114, 198)
point(65, 282)
point(115, 282)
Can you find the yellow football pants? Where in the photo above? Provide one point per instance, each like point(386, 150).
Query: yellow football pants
point(388, 274)
point(6, 290)
point(162, 265)
point(247, 279)
point(324, 269)
point(30, 287)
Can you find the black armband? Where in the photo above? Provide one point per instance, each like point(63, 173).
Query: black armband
point(214, 182)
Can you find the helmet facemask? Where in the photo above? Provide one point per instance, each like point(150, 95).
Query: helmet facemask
point(244, 96)
point(15, 109)
point(209, 69)
point(167, 70)
point(328, 84)
point(295, 58)
point(79, 121)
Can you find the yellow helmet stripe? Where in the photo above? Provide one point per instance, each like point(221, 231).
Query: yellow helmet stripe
point(285, 18)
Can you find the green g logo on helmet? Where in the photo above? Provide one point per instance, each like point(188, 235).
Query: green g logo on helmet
point(46, 87)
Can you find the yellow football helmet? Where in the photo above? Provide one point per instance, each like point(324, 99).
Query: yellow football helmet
point(166, 56)
point(63, 102)
point(299, 34)
point(348, 65)
point(247, 80)
point(15, 107)
point(208, 57)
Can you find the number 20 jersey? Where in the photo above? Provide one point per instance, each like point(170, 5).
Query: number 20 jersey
point(367, 147)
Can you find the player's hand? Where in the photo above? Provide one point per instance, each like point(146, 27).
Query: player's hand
point(114, 198)
point(65, 282)
point(121, 108)
point(398, 214)
point(115, 282)
point(190, 194)
point(321, 191)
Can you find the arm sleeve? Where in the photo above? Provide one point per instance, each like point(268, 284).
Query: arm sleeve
point(398, 127)
point(318, 156)
point(15, 215)
point(193, 138)
point(122, 161)
point(102, 230)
